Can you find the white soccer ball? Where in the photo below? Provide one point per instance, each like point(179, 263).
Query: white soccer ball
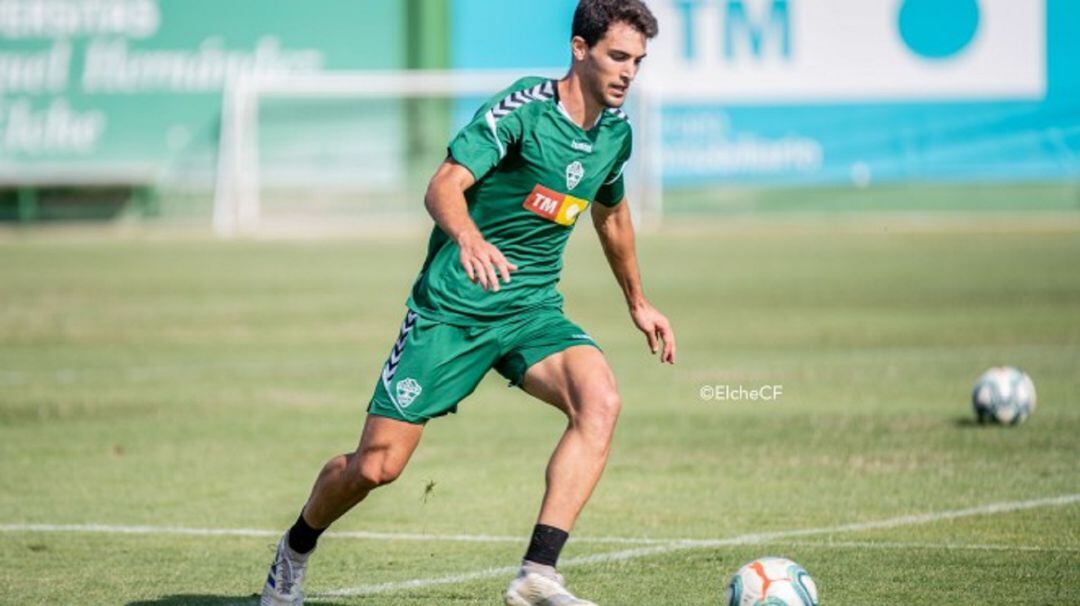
point(771, 582)
point(1004, 395)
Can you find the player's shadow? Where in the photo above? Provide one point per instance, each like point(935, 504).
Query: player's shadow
point(190, 599)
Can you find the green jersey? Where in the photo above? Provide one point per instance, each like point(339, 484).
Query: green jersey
point(536, 172)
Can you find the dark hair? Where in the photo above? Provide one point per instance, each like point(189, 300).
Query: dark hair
point(593, 18)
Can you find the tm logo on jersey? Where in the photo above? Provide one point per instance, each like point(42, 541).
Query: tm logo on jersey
point(553, 206)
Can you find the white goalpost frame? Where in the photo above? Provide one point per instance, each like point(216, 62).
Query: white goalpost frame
point(237, 202)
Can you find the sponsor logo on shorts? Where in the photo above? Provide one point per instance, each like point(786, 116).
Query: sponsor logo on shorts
point(554, 206)
point(407, 390)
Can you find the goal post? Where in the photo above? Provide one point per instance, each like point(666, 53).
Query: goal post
point(376, 99)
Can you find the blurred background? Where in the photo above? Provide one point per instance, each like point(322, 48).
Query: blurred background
point(211, 213)
point(297, 115)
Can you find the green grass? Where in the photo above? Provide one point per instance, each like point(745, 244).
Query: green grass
point(898, 197)
point(202, 384)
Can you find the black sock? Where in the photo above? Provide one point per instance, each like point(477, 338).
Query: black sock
point(302, 537)
point(547, 542)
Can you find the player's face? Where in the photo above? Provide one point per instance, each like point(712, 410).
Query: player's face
point(611, 65)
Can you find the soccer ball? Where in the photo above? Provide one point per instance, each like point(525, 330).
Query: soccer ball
point(1003, 395)
point(772, 582)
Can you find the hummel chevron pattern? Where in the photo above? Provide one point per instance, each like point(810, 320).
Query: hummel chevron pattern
point(399, 347)
point(540, 92)
point(618, 113)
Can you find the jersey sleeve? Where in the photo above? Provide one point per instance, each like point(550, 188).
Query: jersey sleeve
point(482, 143)
point(613, 190)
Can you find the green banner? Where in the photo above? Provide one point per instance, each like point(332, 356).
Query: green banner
point(135, 85)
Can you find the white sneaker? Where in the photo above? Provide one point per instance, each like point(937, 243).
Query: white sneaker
point(538, 585)
point(284, 584)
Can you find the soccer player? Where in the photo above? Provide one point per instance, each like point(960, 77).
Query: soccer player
point(505, 200)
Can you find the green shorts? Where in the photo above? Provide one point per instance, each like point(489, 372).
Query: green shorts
point(434, 366)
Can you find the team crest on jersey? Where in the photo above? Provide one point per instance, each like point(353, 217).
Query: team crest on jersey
point(554, 206)
point(407, 391)
point(574, 172)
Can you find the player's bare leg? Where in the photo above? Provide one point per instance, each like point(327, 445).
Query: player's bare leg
point(579, 382)
point(385, 448)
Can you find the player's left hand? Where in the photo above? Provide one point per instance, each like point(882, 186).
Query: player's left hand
point(657, 330)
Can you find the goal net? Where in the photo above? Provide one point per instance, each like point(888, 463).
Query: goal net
point(353, 151)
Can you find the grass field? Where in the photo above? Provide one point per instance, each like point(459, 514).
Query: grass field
point(148, 382)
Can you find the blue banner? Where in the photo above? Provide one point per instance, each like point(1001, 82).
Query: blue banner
point(795, 92)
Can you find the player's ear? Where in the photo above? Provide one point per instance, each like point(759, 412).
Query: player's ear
point(579, 48)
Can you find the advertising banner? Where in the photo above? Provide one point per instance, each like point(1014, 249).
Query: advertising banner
point(793, 92)
point(135, 86)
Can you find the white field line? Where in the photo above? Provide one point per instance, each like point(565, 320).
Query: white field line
point(510, 570)
point(932, 546)
point(747, 539)
point(256, 532)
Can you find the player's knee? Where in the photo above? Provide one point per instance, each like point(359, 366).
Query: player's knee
point(374, 471)
point(337, 465)
point(599, 413)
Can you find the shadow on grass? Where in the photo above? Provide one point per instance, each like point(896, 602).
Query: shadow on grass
point(209, 600)
point(969, 423)
point(199, 600)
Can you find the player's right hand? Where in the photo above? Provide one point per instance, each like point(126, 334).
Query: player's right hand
point(484, 263)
